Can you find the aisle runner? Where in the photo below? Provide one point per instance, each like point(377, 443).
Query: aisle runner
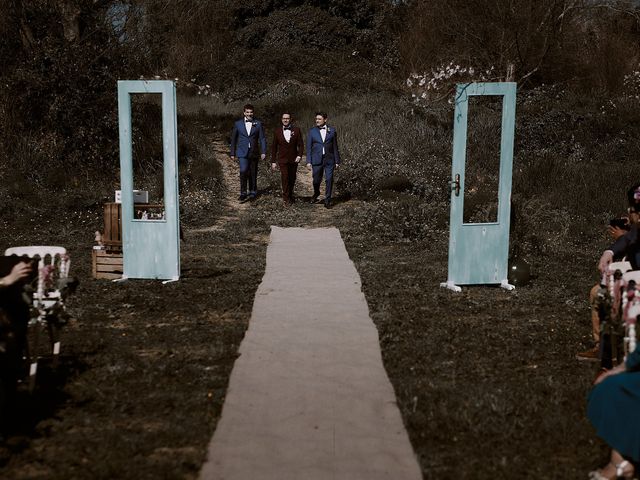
point(308, 397)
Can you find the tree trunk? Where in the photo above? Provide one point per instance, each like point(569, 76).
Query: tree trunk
point(70, 13)
point(26, 34)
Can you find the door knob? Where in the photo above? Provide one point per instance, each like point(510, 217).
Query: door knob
point(455, 184)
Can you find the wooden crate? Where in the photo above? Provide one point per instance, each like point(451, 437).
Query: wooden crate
point(107, 264)
point(112, 236)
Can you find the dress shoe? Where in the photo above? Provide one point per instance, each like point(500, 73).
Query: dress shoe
point(591, 355)
point(314, 199)
point(252, 197)
point(242, 198)
point(327, 204)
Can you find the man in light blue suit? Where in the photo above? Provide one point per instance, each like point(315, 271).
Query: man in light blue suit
point(322, 156)
point(248, 144)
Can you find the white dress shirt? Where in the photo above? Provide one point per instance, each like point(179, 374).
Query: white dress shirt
point(248, 124)
point(287, 134)
point(323, 134)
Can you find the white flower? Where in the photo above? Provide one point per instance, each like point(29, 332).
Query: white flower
point(422, 82)
point(409, 82)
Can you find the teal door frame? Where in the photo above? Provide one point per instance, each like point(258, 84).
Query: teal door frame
point(151, 248)
point(479, 252)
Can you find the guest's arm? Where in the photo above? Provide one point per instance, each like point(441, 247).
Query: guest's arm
point(19, 272)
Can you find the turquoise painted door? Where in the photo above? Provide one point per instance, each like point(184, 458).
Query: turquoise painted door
point(478, 252)
point(151, 246)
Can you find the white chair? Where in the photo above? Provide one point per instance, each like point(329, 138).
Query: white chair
point(615, 285)
point(632, 275)
point(48, 299)
point(631, 309)
point(623, 267)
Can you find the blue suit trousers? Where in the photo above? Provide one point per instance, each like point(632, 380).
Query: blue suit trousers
point(248, 175)
point(318, 171)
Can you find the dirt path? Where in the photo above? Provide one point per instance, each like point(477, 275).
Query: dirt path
point(268, 185)
point(232, 206)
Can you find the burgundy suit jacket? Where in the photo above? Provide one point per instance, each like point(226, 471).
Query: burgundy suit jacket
point(286, 152)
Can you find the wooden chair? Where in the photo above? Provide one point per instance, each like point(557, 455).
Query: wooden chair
point(48, 298)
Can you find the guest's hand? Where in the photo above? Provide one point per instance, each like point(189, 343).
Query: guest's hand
point(19, 272)
point(616, 232)
point(233, 159)
point(262, 156)
point(614, 371)
point(605, 261)
point(273, 166)
point(298, 159)
point(308, 165)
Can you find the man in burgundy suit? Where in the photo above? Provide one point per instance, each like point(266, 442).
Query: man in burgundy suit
point(286, 151)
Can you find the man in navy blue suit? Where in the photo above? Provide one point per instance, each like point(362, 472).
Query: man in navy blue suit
point(322, 156)
point(248, 144)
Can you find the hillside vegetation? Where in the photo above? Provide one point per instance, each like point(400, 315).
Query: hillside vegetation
point(385, 73)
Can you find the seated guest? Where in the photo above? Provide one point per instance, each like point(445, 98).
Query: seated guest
point(628, 244)
point(14, 316)
point(596, 298)
point(612, 409)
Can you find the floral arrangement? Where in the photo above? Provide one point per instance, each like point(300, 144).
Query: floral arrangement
point(441, 80)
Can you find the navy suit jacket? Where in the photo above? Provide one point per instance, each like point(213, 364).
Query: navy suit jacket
point(248, 146)
point(315, 146)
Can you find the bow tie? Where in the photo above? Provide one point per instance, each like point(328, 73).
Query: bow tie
point(248, 121)
point(286, 128)
point(322, 128)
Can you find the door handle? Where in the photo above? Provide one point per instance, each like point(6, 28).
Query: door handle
point(455, 184)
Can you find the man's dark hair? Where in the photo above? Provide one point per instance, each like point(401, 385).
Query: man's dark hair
point(322, 114)
point(633, 196)
point(286, 113)
point(248, 106)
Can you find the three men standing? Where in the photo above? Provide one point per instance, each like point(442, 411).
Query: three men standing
point(322, 156)
point(248, 143)
point(286, 151)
